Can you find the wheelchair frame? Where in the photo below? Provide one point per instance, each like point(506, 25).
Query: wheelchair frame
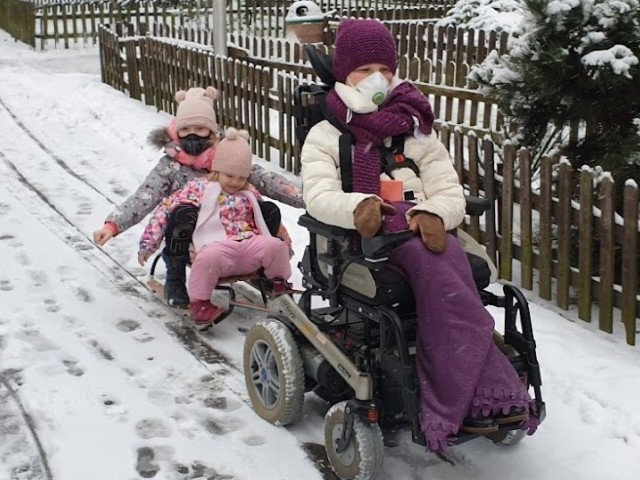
point(395, 361)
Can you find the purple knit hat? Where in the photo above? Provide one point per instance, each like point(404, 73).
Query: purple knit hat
point(359, 42)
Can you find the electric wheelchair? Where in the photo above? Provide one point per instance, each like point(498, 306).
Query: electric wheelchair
point(356, 350)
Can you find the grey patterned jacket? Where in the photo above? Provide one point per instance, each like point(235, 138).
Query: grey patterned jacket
point(169, 175)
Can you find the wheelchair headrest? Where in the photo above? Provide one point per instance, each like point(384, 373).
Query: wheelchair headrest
point(322, 64)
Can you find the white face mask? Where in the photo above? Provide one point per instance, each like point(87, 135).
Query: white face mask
point(375, 87)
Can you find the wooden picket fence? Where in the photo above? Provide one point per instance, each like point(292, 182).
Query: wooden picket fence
point(67, 23)
point(268, 17)
point(561, 229)
point(563, 233)
point(437, 59)
point(16, 18)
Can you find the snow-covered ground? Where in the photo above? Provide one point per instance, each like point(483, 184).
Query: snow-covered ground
point(103, 381)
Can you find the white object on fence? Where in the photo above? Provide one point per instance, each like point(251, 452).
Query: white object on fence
point(305, 22)
point(304, 11)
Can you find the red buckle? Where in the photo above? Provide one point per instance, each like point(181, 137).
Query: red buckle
point(398, 157)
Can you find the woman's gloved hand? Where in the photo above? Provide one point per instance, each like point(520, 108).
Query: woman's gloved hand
point(431, 229)
point(367, 216)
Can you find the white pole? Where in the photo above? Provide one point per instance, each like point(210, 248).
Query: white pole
point(220, 27)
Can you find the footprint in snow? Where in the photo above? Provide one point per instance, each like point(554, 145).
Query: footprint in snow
point(6, 285)
point(66, 273)
point(254, 440)
point(101, 350)
point(145, 465)
point(152, 428)
point(21, 257)
point(52, 305)
point(73, 323)
point(201, 471)
point(36, 339)
point(39, 277)
point(73, 368)
point(126, 325)
point(219, 403)
point(83, 294)
point(85, 208)
point(113, 408)
point(223, 425)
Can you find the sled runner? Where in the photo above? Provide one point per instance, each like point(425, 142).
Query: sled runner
point(224, 296)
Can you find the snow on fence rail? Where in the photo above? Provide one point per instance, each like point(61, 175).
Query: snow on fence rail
point(579, 252)
point(67, 23)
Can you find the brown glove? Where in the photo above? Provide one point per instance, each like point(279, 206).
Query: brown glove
point(431, 229)
point(368, 216)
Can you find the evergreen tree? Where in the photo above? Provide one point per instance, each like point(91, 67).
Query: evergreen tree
point(577, 62)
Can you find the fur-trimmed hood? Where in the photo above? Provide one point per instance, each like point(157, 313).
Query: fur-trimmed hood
point(159, 137)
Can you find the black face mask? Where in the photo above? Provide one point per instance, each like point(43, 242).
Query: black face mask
point(194, 145)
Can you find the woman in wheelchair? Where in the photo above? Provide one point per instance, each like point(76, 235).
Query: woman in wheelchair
point(466, 382)
point(230, 237)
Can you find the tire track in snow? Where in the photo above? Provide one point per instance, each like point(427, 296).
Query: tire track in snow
point(117, 274)
point(113, 270)
point(127, 282)
point(28, 422)
point(64, 165)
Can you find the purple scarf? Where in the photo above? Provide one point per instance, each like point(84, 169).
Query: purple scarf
point(395, 117)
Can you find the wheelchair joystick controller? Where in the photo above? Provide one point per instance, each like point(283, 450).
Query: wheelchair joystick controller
point(376, 249)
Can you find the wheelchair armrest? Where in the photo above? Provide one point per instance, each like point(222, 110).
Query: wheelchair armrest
point(319, 228)
point(376, 249)
point(476, 206)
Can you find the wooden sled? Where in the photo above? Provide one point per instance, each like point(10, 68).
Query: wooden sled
point(224, 296)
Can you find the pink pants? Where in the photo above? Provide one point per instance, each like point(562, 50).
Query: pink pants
point(224, 259)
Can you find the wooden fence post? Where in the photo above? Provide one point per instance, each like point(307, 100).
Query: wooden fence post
point(526, 231)
point(630, 261)
point(506, 239)
point(585, 255)
point(607, 255)
point(544, 226)
point(490, 194)
point(564, 235)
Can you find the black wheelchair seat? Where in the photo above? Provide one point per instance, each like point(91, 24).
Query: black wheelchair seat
point(364, 274)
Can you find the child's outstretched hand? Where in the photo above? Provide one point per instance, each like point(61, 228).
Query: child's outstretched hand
point(143, 256)
point(102, 236)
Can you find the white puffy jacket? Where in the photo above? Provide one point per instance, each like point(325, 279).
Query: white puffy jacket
point(437, 190)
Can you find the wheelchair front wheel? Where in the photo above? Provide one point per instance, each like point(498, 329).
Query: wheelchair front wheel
point(273, 372)
point(363, 456)
point(508, 438)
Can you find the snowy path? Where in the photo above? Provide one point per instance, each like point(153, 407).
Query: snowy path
point(118, 388)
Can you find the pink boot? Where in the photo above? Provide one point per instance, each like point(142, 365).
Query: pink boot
point(204, 313)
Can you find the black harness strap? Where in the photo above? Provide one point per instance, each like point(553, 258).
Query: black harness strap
point(393, 158)
point(345, 142)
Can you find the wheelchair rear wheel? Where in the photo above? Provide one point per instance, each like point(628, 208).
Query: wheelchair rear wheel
point(273, 372)
point(363, 456)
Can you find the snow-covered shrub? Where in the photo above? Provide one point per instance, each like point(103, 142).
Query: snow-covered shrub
point(499, 15)
point(577, 61)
